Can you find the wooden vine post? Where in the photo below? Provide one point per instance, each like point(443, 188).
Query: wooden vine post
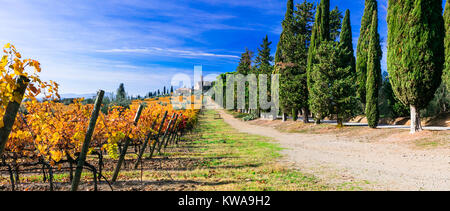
point(175, 141)
point(144, 145)
point(11, 112)
point(87, 140)
point(157, 135)
point(172, 131)
point(166, 133)
point(176, 137)
point(125, 147)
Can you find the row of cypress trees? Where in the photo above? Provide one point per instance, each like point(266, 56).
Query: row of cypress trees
point(322, 78)
point(320, 74)
point(334, 83)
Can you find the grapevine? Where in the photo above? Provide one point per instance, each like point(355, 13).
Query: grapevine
point(52, 133)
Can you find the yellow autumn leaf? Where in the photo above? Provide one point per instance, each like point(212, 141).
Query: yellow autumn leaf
point(8, 45)
point(17, 71)
point(4, 61)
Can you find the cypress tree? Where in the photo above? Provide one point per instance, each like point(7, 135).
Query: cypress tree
point(363, 47)
point(263, 65)
point(245, 64)
point(294, 114)
point(288, 29)
point(121, 97)
point(286, 24)
point(446, 77)
point(245, 68)
point(333, 91)
point(121, 94)
point(289, 16)
point(320, 33)
point(304, 20)
point(389, 104)
point(293, 90)
point(278, 51)
point(264, 59)
point(293, 86)
point(346, 41)
point(373, 72)
point(304, 23)
point(415, 52)
point(335, 23)
point(323, 27)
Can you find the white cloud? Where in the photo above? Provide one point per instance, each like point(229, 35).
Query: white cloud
point(169, 52)
point(65, 36)
point(91, 76)
point(124, 50)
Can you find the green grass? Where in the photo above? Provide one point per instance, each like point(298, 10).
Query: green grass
point(439, 139)
point(242, 116)
point(245, 162)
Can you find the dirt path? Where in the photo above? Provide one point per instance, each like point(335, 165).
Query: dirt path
point(379, 166)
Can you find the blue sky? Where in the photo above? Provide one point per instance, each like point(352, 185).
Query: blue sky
point(88, 45)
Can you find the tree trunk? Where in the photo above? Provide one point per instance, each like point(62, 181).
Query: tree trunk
point(284, 117)
point(305, 115)
point(294, 114)
point(317, 121)
point(340, 122)
point(416, 126)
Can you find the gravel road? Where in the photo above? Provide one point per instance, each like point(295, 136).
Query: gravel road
point(377, 166)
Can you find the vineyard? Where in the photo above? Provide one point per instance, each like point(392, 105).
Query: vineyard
point(41, 137)
point(49, 135)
